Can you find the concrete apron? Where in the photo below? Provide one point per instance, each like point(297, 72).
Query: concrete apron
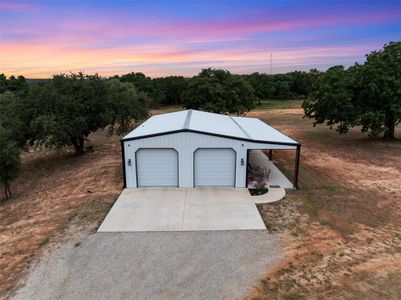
point(177, 209)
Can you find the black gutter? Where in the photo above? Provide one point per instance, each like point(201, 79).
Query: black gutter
point(209, 133)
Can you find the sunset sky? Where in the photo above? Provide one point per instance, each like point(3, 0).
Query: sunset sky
point(159, 38)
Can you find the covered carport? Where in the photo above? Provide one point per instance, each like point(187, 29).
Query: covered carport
point(258, 158)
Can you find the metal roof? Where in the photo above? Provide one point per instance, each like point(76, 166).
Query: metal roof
point(242, 128)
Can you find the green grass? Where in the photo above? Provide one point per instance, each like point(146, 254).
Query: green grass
point(278, 104)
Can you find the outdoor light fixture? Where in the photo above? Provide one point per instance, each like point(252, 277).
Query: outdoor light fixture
point(129, 161)
point(242, 162)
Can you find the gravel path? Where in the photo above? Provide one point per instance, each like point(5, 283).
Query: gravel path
point(154, 265)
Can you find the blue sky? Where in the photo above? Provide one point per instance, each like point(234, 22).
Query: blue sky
point(159, 38)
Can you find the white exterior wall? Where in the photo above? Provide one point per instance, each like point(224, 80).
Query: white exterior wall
point(186, 143)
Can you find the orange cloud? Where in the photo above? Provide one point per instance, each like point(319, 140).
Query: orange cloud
point(47, 59)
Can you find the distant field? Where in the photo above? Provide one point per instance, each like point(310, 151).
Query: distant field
point(166, 109)
point(278, 104)
point(264, 104)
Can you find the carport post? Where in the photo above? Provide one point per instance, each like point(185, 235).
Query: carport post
point(246, 168)
point(123, 161)
point(296, 172)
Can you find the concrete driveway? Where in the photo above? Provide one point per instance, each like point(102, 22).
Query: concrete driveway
point(174, 209)
point(155, 265)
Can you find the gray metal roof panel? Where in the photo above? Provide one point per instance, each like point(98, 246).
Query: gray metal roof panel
point(250, 129)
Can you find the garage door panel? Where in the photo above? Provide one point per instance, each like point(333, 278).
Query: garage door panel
point(157, 167)
point(214, 167)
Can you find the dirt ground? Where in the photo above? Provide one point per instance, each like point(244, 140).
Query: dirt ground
point(56, 193)
point(341, 231)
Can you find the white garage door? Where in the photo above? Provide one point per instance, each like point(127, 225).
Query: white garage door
point(214, 167)
point(157, 167)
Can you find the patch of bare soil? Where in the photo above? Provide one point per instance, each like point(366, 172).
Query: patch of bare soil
point(163, 110)
point(281, 111)
point(54, 191)
point(342, 230)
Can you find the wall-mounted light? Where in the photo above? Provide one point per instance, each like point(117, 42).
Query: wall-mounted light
point(129, 161)
point(242, 162)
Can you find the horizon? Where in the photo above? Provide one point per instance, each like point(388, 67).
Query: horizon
point(177, 38)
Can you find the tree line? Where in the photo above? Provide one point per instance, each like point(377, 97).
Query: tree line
point(66, 109)
point(60, 112)
point(366, 95)
point(175, 90)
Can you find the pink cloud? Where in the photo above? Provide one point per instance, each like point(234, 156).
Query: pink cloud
point(28, 58)
point(43, 44)
point(268, 23)
point(121, 27)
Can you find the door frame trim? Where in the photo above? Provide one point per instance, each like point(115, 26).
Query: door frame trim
point(214, 148)
point(156, 148)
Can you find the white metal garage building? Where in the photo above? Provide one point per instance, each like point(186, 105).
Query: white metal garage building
point(197, 149)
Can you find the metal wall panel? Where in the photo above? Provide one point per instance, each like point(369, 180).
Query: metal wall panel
point(186, 143)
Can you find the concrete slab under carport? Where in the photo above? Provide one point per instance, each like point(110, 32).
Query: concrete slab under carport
point(276, 178)
point(175, 209)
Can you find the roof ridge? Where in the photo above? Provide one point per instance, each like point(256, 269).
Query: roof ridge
point(188, 119)
point(240, 127)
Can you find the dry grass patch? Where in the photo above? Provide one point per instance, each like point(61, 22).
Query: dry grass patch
point(54, 191)
point(341, 231)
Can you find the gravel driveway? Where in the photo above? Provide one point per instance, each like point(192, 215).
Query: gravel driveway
point(154, 265)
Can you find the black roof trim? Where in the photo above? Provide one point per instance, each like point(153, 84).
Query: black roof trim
point(208, 133)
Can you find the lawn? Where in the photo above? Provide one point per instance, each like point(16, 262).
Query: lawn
point(341, 230)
